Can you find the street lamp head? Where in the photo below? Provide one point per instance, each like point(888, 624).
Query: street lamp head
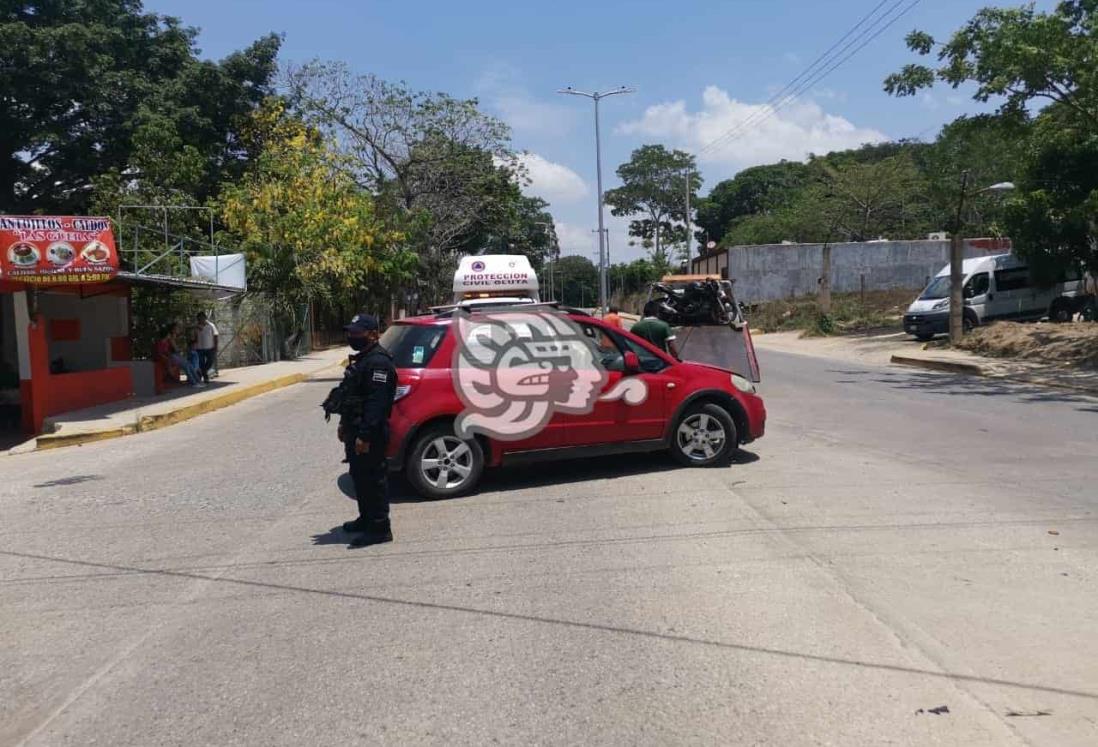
point(1001, 187)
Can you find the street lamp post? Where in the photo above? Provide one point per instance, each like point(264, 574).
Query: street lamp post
point(597, 96)
point(956, 259)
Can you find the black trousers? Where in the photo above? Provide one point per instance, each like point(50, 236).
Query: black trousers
point(370, 474)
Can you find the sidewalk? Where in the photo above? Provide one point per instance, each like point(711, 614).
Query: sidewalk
point(901, 349)
point(139, 414)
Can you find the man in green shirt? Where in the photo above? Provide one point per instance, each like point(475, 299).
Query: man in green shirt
point(655, 330)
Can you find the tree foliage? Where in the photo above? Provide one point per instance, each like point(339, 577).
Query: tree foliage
point(759, 190)
point(579, 279)
point(310, 233)
point(654, 186)
point(98, 88)
point(1026, 59)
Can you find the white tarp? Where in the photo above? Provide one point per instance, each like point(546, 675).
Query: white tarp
point(228, 270)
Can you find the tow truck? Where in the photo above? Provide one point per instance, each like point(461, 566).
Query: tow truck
point(725, 345)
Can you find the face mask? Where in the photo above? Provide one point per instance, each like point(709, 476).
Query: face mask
point(358, 343)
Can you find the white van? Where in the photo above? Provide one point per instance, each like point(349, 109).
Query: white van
point(492, 279)
point(995, 287)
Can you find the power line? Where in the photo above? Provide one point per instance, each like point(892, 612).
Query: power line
point(831, 62)
point(811, 66)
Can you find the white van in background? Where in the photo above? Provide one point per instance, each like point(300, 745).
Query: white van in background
point(995, 287)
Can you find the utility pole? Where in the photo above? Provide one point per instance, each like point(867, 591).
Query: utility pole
point(956, 259)
point(689, 223)
point(956, 274)
point(597, 96)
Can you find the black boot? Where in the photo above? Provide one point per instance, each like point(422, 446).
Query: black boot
point(353, 527)
point(375, 533)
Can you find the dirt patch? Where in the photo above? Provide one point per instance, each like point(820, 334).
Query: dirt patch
point(850, 312)
point(1065, 344)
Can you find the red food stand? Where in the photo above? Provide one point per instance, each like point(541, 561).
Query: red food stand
point(65, 323)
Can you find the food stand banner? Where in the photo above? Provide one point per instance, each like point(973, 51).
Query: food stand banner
point(43, 249)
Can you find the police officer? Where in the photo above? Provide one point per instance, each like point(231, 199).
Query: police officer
point(370, 384)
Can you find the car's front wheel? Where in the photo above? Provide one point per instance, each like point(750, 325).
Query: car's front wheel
point(704, 436)
point(441, 465)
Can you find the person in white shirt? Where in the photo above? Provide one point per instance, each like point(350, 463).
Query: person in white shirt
point(205, 345)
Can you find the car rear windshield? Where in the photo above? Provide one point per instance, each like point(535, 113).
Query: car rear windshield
point(412, 345)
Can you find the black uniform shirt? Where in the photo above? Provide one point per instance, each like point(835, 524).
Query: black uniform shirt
point(375, 381)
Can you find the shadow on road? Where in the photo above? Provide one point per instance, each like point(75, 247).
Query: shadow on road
point(962, 385)
point(549, 474)
point(601, 468)
point(334, 536)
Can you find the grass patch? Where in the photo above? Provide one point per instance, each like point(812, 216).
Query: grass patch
point(849, 313)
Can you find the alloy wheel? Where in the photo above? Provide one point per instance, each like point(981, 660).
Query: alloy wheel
point(701, 437)
point(447, 463)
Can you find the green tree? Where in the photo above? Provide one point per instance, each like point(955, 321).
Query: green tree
point(991, 149)
point(1053, 216)
point(864, 201)
point(759, 190)
point(1024, 58)
point(654, 185)
point(580, 280)
point(310, 233)
point(440, 162)
point(87, 85)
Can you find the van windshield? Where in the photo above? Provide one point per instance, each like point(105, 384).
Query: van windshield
point(938, 288)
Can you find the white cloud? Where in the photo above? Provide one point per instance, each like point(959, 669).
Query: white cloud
point(574, 239)
point(503, 90)
point(792, 133)
point(551, 181)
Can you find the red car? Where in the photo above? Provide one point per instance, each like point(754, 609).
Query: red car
point(701, 413)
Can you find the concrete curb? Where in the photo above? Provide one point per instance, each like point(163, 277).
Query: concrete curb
point(155, 422)
point(972, 369)
point(932, 364)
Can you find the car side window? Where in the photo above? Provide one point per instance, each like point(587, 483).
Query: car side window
point(1008, 280)
point(649, 361)
point(609, 351)
point(977, 285)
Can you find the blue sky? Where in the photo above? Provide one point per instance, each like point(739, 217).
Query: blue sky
point(700, 68)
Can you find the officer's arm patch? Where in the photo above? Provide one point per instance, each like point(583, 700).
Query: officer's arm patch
point(379, 375)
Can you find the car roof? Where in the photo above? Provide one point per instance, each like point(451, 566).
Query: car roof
point(444, 314)
point(989, 263)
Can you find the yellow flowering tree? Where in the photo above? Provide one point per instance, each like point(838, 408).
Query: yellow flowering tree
point(310, 233)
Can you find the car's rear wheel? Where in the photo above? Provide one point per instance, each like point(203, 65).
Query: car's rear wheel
point(1061, 312)
point(441, 465)
point(704, 436)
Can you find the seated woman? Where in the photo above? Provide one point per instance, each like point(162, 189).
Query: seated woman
point(168, 353)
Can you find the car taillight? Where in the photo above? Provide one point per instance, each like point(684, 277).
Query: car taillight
point(402, 391)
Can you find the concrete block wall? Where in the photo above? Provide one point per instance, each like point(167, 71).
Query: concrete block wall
point(773, 271)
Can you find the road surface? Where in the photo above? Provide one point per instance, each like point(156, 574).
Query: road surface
point(900, 541)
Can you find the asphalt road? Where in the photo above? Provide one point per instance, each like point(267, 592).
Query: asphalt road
point(900, 541)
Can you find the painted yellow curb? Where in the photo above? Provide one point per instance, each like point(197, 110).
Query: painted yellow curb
point(59, 440)
point(156, 422)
